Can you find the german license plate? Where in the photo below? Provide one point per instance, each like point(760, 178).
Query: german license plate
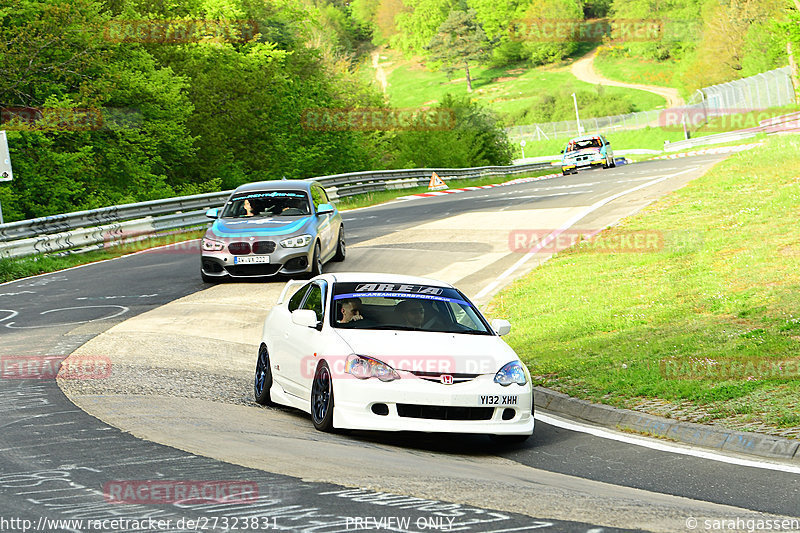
point(250, 260)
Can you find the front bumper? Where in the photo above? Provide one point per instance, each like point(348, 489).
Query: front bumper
point(414, 404)
point(287, 261)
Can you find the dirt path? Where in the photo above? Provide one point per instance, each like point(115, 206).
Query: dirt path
point(583, 69)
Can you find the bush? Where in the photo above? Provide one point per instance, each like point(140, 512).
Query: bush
point(476, 139)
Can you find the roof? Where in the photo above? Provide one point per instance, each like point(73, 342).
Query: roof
point(586, 137)
point(374, 277)
point(274, 185)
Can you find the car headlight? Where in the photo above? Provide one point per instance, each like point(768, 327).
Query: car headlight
point(210, 245)
point(363, 367)
point(297, 242)
point(512, 372)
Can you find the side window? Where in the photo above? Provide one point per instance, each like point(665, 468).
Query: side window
point(315, 300)
point(318, 196)
point(297, 298)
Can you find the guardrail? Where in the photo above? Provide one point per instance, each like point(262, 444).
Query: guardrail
point(108, 226)
point(784, 123)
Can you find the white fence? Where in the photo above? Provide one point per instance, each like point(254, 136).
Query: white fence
point(769, 89)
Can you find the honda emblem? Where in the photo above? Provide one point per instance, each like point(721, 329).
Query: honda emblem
point(447, 379)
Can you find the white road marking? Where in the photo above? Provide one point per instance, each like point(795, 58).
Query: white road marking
point(653, 444)
point(122, 311)
point(11, 315)
point(569, 223)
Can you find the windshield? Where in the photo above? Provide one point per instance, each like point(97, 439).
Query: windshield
point(396, 306)
point(584, 143)
point(268, 204)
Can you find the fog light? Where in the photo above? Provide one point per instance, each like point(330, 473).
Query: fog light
point(380, 409)
point(508, 414)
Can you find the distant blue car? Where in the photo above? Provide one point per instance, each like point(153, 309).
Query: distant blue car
point(272, 227)
point(586, 152)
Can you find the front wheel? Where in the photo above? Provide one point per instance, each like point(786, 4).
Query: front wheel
point(316, 262)
point(341, 251)
point(322, 398)
point(263, 379)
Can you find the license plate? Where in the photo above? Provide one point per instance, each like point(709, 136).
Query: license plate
point(250, 260)
point(498, 399)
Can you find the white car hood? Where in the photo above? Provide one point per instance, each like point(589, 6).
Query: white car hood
point(431, 352)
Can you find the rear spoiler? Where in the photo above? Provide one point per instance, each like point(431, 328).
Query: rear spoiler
point(290, 288)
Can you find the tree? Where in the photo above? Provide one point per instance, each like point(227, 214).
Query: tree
point(420, 23)
point(459, 41)
point(476, 138)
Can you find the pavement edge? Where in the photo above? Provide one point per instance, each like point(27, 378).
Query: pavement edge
point(755, 444)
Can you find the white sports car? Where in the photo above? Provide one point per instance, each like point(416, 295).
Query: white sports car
point(392, 353)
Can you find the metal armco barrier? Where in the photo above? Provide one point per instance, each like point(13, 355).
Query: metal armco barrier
point(98, 228)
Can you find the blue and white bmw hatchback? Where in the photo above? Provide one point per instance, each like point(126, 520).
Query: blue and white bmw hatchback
point(272, 227)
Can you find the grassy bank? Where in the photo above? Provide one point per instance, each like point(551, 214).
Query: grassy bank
point(648, 138)
point(637, 70)
point(705, 328)
point(508, 91)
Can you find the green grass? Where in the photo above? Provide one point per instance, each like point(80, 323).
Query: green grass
point(637, 70)
point(724, 289)
point(506, 90)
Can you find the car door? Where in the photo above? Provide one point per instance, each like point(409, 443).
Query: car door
point(303, 344)
point(279, 346)
point(325, 227)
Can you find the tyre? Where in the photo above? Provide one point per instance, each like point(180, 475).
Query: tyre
point(316, 262)
point(613, 164)
point(341, 250)
point(322, 398)
point(263, 379)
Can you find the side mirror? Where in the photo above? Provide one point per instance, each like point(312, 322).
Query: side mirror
point(305, 317)
point(324, 208)
point(562, 151)
point(501, 326)
point(213, 213)
point(608, 142)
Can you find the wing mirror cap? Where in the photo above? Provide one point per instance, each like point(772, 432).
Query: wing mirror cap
point(305, 317)
point(501, 326)
point(325, 208)
point(213, 213)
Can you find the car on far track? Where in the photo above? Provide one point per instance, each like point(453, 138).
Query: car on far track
point(586, 151)
point(272, 227)
point(391, 352)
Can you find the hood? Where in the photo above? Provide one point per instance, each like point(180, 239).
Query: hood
point(583, 151)
point(431, 352)
point(247, 227)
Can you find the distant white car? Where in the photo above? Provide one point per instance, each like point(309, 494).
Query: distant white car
point(586, 152)
point(392, 353)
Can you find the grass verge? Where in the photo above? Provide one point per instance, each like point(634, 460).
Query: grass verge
point(708, 325)
point(11, 269)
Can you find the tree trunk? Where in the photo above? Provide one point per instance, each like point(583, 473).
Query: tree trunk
point(793, 70)
point(469, 81)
